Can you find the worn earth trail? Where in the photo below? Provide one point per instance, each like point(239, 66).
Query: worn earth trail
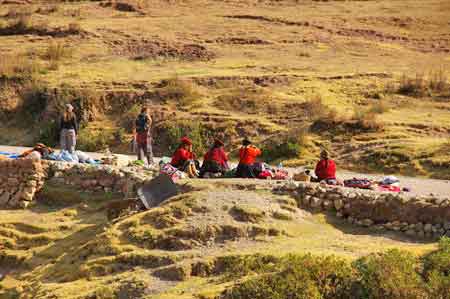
point(418, 185)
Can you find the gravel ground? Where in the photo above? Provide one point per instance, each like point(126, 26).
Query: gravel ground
point(419, 186)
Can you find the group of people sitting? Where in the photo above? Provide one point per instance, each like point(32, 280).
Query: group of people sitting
point(215, 161)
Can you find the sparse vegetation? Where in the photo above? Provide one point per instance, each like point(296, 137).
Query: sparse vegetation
point(419, 86)
point(19, 68)
point(179, 91)
point(57, 51)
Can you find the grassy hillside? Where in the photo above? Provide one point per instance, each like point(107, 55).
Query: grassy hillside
point(366, 79)
point(199, 244)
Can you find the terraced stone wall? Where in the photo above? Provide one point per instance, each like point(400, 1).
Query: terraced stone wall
point(19, 181)
point(419, 216)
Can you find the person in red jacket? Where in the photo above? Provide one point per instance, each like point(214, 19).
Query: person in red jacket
point(215, 160)
point(183, 155)
point(247, 156)
point(325, 169)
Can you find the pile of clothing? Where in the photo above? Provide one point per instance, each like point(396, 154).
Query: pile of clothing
point(387, 184)
point(77, 157)
point(266, 172)
point(359, 183)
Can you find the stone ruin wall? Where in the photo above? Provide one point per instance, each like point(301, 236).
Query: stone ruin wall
point(420, 216)
point(21, 180)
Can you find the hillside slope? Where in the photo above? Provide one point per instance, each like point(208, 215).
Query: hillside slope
point(365, 79)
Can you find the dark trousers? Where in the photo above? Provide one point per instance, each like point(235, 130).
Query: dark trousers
point(246, 171)
point(212, 167)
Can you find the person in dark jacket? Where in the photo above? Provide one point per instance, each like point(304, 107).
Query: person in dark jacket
point(68, 130)
point(143, 135)
point(325, 169)
point(215, 160)
point(247, 156)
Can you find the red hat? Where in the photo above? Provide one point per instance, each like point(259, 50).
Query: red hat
point(186, 140)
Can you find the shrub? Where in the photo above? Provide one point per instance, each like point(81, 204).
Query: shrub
point(366, 120)
point(284, 150)
point(57, 51)
point(412, 86)
point(90, 141)
point(182, 92)
point(438, 81)
point(298, 277)
point(289, 147)
point(35, 98)
point(249, 100)
point(390, 275)
point(419, 86)
point(172, 132)
point(49, 133)
point(437, 270)
point(378, 107)
point(18, 67)
point(316, 109)
point(234, 266)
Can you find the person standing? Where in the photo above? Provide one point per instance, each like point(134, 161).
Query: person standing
point(247, 157)
point(68, 130)
point(143, 125)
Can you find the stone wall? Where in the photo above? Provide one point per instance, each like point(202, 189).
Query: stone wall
point(97, 178)
point(414, 215)
point(19, 181)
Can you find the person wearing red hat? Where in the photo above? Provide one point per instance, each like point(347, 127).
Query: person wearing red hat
point(183, 156)
point(247, 156)
point(216, 160)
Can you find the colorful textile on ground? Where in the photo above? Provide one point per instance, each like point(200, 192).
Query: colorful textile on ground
point(361, 183)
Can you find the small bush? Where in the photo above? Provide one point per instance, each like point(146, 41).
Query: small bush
point(316, 109)
point(298, 277)
point(366, 120)
point(234, 266)
point(49, 133)
point(182, 92)
point(90, 141)
point(18, 67)
point(437, 82)
point(56, 51)
point(439, 260)
point(248, 100)
point(170, 133)
point(34, 96)
point(379, 107)
point(390, 275)
point(287, 148)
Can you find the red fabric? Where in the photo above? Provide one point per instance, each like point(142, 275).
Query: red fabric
point(389, 188)
point(326, 169)
point(218, 155)
point(248, 154)
point(265, 175)
point(142, 138)
point(181, 155)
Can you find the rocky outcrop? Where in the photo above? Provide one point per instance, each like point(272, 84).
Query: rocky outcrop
point(414, 215)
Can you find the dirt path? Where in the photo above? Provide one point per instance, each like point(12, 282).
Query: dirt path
point(419, 186)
